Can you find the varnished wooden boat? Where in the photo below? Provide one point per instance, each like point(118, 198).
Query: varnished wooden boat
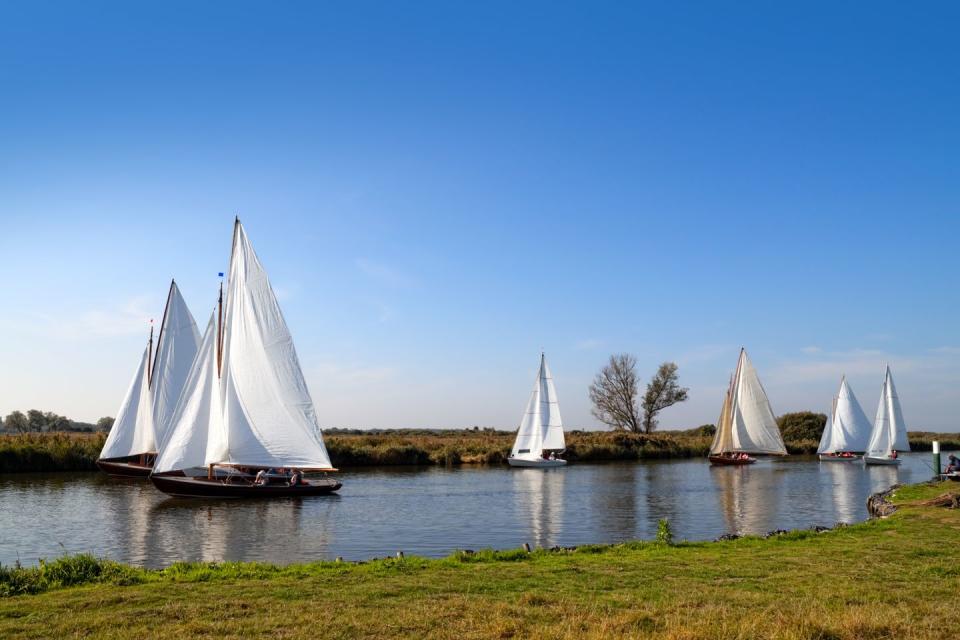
point(130, 468)
point(240, 487)
point(731, 462)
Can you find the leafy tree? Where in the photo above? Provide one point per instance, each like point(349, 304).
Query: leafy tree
point(16, 421)
point(105, 423)
point(614, 393)
point(702, 430)
point(36, 419)
point(663, 391)
point(56, 422)
point(802, 425)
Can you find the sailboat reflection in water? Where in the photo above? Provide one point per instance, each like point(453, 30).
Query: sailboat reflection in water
point(540, 498)
point(245, 408)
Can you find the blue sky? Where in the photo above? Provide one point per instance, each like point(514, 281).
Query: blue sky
point(440, 190)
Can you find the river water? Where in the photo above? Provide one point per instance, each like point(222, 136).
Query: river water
point(433, 511)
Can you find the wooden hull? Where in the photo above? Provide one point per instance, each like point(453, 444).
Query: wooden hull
point(536, 464)
point(186, 487)
point(881, 461)
point(124, 469)
point(724, 461)
point(825, 457)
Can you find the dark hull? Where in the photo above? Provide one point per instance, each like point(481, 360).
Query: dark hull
point(184, 487)
point(730, 462)
point(121, 469)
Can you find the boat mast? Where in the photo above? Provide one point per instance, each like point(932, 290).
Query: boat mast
point(163, 323)
point(150, 354)
point(220, 329)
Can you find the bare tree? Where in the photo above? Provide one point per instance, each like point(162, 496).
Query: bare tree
point(614, 393)
point(662, 392)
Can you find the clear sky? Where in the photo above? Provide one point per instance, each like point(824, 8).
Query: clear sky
point(440, 190)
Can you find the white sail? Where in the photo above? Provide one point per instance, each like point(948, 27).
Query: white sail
point(198, 411)
point(751, 426)
point(849, 429)
point(553, 438)
point(889, 428)
point(826, 437)
point(177, 346)
point(268, 418)
point(723, 437)
point(541, 427)
point(132, 431)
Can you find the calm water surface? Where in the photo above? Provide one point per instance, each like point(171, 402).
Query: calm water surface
point(433, 511)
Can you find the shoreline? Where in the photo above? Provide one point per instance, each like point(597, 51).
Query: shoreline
point(67, 451)
point(768, 587)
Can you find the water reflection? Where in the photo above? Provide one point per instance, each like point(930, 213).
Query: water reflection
point(539, 500)
point(738, 490)
point(842, 477)
point(265, 530)
point(433, 511)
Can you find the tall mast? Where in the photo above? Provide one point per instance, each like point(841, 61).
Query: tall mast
point(233, 251)
point(220, 329)
point(163, 323)
point(150, 355)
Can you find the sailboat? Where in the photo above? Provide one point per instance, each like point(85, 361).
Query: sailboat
point(145, 414)
point(847, 431)
point(246, 415)
point(540, 436)
point(747, 424)
point(889, 429)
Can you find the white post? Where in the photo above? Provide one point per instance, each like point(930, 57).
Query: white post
point(936, 458)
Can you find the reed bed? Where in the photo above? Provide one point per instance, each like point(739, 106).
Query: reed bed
point(58, 451)
point(70, 451)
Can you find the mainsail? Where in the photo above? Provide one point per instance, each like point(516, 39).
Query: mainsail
point(177, 346)
point(246, 401)
point(132, 431)
point(848, 428)
point(145, 415)
point(541, 427)
point(747, 423)
point(198, 409)
point(889, 428)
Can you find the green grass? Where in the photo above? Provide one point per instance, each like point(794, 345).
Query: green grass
point(892, 578)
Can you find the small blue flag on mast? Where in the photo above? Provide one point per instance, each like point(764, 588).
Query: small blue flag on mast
point(220, 274)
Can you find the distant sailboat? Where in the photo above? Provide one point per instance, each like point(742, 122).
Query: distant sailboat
point(889, 429)
point(246, 407)
point(747, 424)
point(848, 429)
point(145, 414)
point(541, 429)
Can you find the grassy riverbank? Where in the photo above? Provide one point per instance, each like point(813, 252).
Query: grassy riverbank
point(79, 451)
point(892, 578)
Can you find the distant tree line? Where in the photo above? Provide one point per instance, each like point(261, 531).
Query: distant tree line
point(36, 421)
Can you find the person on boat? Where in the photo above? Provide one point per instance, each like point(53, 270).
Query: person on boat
point(893, 454)
point(296, 478)
point(261, 477)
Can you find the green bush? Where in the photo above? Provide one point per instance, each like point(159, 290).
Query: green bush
point(802, 425)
